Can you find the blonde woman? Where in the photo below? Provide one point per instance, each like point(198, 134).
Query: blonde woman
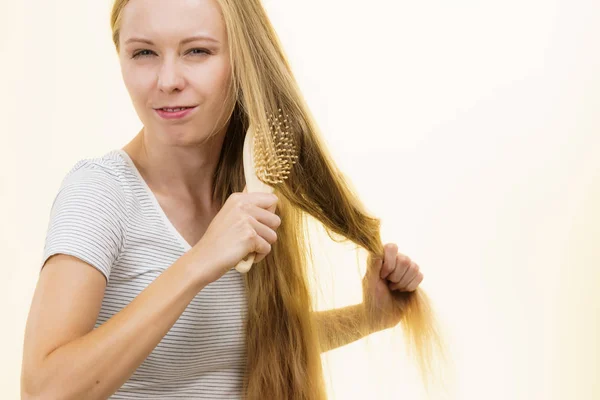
point(137, 297)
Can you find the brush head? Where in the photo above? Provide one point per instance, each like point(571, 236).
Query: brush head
point(274, 151)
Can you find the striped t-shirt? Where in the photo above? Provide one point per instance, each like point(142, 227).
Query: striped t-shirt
point(106, 215)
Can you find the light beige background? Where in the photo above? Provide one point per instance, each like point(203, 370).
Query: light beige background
point(471, 128)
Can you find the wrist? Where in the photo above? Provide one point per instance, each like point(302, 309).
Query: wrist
point(192, 270)
point(367, 325)
point(373, 319)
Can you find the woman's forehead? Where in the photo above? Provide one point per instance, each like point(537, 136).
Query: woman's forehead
point(172, 19)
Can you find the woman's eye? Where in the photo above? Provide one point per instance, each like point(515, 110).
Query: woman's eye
point(142, 53)
point(147, 53)
point(198, 51)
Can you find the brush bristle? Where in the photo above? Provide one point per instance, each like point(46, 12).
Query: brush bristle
point(274, 150)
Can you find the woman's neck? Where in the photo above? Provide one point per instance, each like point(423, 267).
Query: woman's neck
point(183, 172)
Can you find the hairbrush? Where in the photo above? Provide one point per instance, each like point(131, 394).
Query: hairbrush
point(268, 157)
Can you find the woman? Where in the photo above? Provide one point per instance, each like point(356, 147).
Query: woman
point(137, 297)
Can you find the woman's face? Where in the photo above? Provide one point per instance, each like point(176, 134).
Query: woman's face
point(174, 54)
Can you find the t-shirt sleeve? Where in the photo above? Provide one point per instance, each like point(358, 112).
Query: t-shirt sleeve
point(87, 219)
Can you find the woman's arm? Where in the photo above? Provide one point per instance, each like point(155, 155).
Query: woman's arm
point(64, 357)
point(341, 326)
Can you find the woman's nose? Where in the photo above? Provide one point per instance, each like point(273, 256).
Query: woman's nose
point(170, 77)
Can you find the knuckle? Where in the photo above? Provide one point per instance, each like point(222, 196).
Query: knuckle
point(251, 234)
point(404, 259)
point(392, 247)
point(266, 248)
point(414, 283)
point(244, 205)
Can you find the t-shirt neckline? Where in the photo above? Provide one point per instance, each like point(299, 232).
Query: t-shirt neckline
point(154, 200)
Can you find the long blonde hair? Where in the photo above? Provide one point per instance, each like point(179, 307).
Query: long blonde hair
point(283, 347)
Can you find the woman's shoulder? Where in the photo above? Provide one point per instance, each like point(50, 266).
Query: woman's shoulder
point(102, 180)
point(109, 166)
point(90, 213)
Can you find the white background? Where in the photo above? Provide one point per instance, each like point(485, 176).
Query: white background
point(470, 127)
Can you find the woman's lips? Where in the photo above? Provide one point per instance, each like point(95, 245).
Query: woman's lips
point(175, 112)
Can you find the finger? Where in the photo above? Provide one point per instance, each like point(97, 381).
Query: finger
point(264, 231)
point(273, 208)
point(389, 260)
point(261, 247)
point(259, 199)
point(411, 286)
point(410, 274)
point(265, 217)
point(402, 267)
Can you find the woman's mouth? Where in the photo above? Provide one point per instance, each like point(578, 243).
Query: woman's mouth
point(175, 112)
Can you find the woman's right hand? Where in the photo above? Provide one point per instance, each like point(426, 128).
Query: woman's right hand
point(246, 224)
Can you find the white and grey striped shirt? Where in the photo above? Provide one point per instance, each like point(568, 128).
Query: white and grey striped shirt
point(105, 214)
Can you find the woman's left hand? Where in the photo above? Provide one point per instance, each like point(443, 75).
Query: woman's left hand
point(395, 272)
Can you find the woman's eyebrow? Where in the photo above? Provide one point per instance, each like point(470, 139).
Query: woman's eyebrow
point(184, 41)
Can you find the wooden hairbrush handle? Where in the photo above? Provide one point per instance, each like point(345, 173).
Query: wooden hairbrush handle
point(253, 184)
